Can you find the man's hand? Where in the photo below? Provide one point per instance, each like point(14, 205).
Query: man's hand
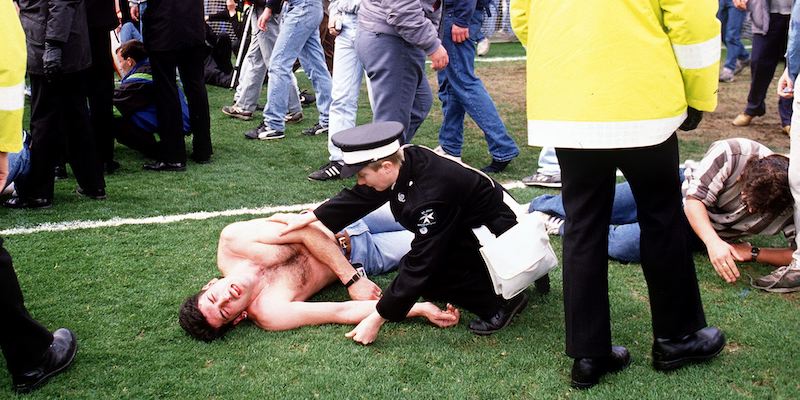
point(785, 86)
point(722, 256)
point(52, 60)
point(3, 169)
point(693, 118)
point(741, 252)
point(135, 12)
point(293, 221)
point(264, 18)
point(367, 330)
point(441, 318)
point(364, 289)
point(740, 4)
point(332, 25)
point(459, 34)
point(439, 58)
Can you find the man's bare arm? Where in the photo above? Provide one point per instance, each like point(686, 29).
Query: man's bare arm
point(720, 253)
point(776, 257)
point(297, 314)
point(257, 239)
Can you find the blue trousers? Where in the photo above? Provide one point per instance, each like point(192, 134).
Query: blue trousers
point(461, 91)
point(732, 20)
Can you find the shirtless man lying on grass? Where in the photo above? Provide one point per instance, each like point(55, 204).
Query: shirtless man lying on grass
point(267, 278)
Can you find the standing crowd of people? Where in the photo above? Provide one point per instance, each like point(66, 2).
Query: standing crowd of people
point(591, 113)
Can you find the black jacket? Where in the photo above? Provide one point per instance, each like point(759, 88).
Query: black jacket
point(102, 14)
point(173, 24)
point(59, 21)
point(437, 199)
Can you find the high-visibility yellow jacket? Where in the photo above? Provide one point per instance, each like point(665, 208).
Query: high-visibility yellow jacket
point(12, 78)
point(616, 74)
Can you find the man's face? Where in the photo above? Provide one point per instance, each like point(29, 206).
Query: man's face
point(125, 64)
point(380, 179)
point(225, 300)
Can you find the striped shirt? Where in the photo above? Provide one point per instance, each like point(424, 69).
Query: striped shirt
point(714, 181)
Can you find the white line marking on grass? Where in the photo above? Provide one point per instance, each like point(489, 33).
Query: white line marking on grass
point(164, 219)
point(495, 59)
point(168, 219)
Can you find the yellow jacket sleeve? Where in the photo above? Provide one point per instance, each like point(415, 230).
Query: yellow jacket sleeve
point(694, 31)
point(519, 19)
point(12, 78)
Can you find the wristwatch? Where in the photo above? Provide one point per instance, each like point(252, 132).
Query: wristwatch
point(358, 275)
point(754, 251)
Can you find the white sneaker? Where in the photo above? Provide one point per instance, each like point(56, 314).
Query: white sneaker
point(552, 223)
point(483, 47)
point(440, 151)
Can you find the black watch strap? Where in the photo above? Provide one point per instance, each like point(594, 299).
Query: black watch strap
point(358, 275)
point(754, 252)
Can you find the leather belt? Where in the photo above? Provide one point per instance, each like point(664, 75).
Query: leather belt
point(343, 239)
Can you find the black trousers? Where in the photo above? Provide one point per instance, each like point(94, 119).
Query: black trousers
point(768, 51)
point(464, 281)
point(190, 63)
point(100, 82)
point(588, 180)
point(60, 120)
point(23, 340)
point(128, 134)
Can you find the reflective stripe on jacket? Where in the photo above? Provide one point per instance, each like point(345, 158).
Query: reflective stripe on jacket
point(617, 74)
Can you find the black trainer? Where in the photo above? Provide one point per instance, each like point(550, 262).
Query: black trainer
point(329, 171)
point(306, 98)
point(315, 130)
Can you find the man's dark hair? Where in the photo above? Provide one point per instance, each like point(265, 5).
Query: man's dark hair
point(133, 49)
point(765, 185)
point(195, 323)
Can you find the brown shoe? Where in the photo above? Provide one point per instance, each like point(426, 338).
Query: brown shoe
point(742, 120)
point(787, 129)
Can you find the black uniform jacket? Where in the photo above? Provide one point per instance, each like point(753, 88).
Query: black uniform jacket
point(437, 199)
point(174, 24)
point(102, 14)
point(59, 21)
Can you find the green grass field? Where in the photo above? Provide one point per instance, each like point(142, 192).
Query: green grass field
point(119, 290)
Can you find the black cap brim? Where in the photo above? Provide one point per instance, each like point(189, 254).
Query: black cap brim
point(349, 170)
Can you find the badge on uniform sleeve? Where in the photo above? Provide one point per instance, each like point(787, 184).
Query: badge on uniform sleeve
point(427, 218)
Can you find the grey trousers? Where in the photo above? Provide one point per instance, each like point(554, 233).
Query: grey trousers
point(396, 70)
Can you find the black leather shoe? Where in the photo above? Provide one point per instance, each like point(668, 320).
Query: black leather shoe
point(495, 167)
point(703, 345)
point(57, 358)
point(60, 172)
point(165, 166)
point(502, 318)
point(586, 372)
point(21, 202)
point(201, 160)
point(542, 284)
point(99, 194)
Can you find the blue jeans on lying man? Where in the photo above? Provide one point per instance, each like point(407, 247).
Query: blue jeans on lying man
point(19, 163)
point(378, 242)
point(623, 231)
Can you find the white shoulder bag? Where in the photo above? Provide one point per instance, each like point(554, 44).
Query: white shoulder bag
point(519, 256)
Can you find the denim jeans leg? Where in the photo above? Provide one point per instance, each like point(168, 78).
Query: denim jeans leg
point(19, 162)
point(471, 92)
point(345, 85)
point(733, 35)
point(300, 20)
point(623, 242)
point(129, 31)
point(312, 57)
point(548, 162)
point(451, 133)
point(378, 241)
